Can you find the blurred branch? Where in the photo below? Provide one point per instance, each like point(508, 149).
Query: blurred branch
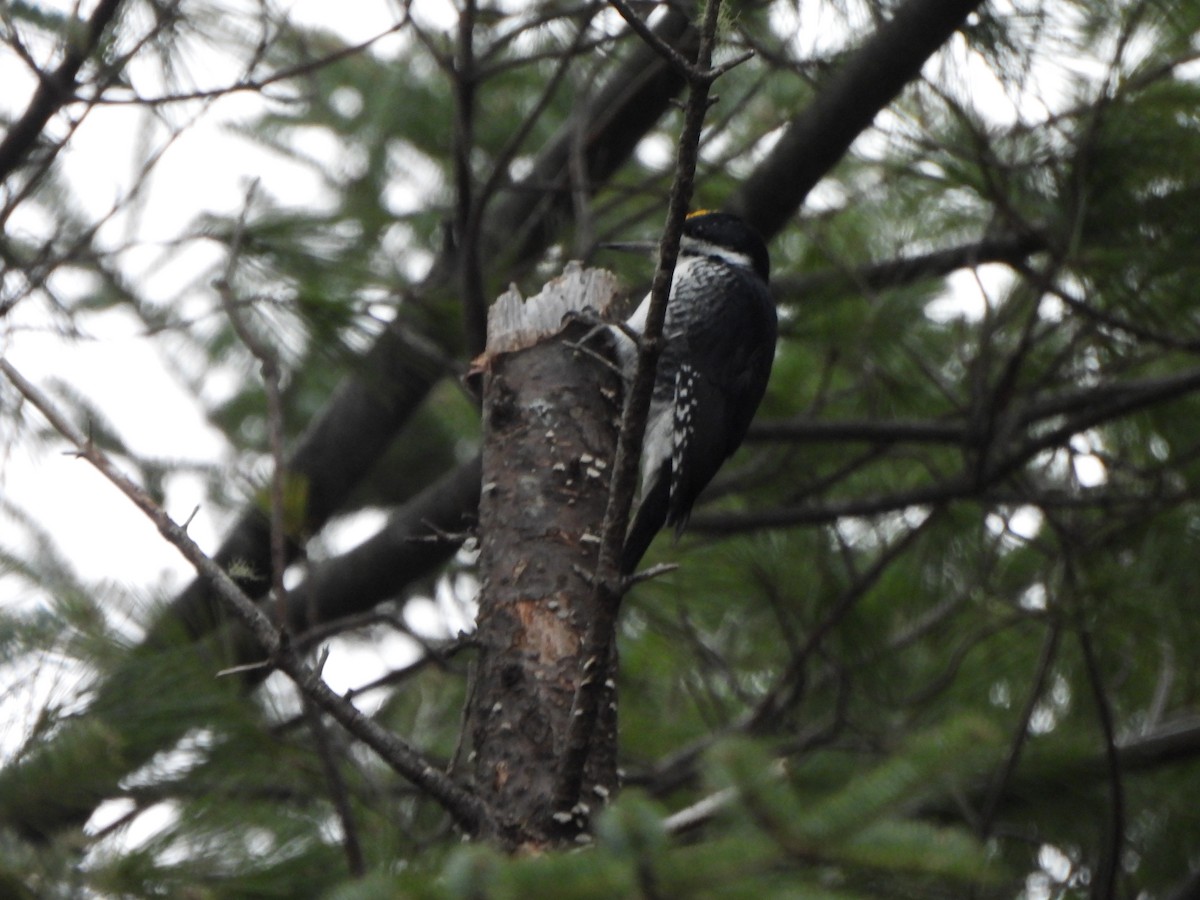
point(1004, 777)
point(628, 105)
point(871, 431)
point(844, 107)
point(461, 803)
point(247, 84)
point(608, 589)
point(1012, 249)
point(466, 219)
point(1187, 889)
point(1113, 840)
point(268, 360)
point(503, 161)
point(1171, 743)
point(55, 89)
point(1068, 412)
point(789, 686)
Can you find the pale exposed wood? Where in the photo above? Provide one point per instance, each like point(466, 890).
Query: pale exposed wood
point(515, 323)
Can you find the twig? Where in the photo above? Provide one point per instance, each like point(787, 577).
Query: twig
point(1105, 884)
point(268, 361)
point(467, 809)
point(707, 808)
point(466, 221)
point(787, 689)
point(699, 813)
point(700, 71)
point(439, 657)
point(192, 515)
point(244, 667)
point(55, 89)
point(650, 573)
point(607, 585)
point(1001, 783)
point(256, 85)
point(681, 63)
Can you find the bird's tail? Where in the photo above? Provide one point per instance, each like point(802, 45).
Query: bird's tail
point(647, 522)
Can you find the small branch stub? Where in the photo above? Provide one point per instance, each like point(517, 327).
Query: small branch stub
point(551, 408)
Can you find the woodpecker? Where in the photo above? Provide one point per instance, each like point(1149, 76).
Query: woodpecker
point(718, 346)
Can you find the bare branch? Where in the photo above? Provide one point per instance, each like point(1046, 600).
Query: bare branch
point(55, 89)
point(461, 803)
point(252, 85)
point(677, 60)
point(1004, 776)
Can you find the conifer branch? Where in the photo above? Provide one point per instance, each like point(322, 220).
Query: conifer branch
point(462, 804)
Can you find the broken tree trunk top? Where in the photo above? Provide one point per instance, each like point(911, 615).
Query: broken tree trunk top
point(515, 323)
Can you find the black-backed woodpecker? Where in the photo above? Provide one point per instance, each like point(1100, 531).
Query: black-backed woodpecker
point(718, 346)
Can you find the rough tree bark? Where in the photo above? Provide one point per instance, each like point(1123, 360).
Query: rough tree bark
point(551, 413)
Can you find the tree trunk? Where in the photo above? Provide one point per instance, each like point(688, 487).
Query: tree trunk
point(551, 413)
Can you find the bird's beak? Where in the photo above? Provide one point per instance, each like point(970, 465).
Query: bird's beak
point(647, 247)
